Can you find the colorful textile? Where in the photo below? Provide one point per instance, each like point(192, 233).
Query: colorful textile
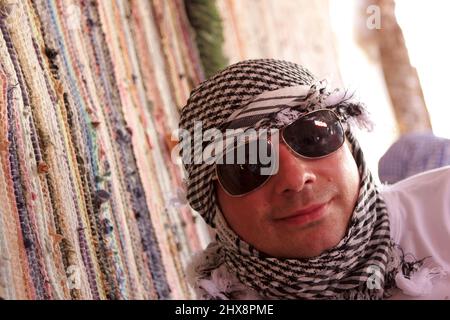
point(89, 92)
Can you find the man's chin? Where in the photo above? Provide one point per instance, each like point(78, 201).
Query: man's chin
point(312, 248)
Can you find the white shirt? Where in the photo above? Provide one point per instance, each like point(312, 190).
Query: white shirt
point(419, 212)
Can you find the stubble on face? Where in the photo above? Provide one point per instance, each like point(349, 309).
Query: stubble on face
point(254, 217)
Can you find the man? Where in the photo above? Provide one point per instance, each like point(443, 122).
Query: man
point(316, 226)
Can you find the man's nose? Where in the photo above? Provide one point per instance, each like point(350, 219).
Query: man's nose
point(294, 173)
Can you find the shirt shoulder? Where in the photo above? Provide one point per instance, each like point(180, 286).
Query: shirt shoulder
point(417, 183)
point(210, 279)
point(419, 214)
point(421, 200)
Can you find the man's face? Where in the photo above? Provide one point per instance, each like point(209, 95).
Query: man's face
point(301, 211)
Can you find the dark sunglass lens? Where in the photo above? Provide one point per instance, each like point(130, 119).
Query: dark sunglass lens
point(241, 168)
point(315, 135)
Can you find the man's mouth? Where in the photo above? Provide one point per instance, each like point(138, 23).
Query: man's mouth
point(310, 213)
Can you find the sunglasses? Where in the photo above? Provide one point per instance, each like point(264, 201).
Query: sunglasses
point(314, 135)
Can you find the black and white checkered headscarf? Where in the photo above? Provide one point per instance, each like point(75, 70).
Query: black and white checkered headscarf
point(218, 100)
point(248, 94)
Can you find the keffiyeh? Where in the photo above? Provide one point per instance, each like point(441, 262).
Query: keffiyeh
point(270, 94)
point(362, 266)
